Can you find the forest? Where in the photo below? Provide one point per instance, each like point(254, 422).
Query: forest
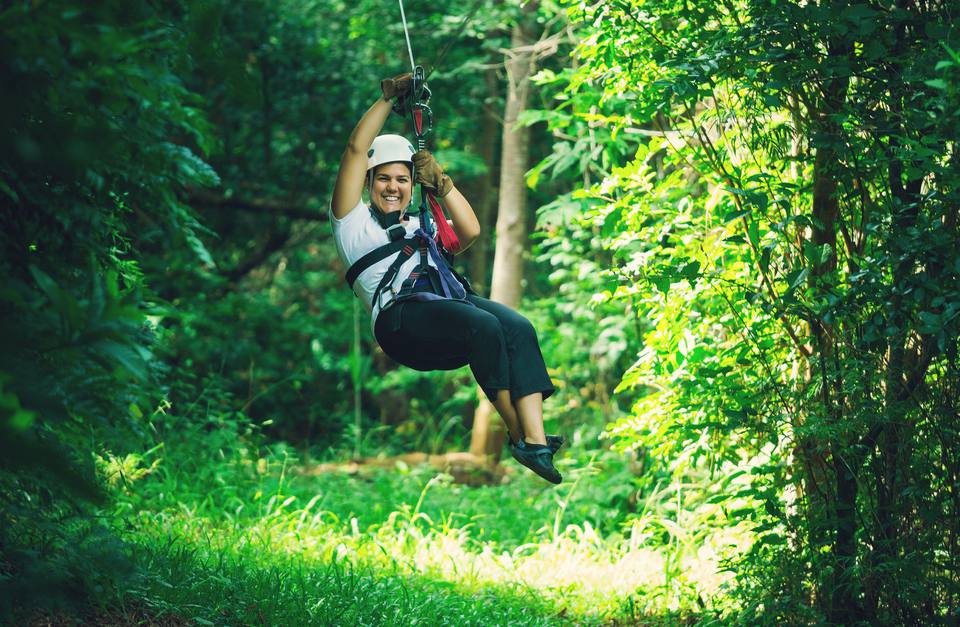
point(733, 225)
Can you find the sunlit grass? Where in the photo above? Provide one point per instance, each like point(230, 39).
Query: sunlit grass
point(559, 567)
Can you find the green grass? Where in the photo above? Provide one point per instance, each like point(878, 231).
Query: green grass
point(231, 537)
point(219, 532)
point(239, 582)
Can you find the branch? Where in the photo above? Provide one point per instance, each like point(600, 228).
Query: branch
point(918, 362)
point(272, 206)
point(276, 241)
point(626, 11)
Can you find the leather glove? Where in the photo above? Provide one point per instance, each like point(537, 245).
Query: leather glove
point(429, 173)
point(397, 86)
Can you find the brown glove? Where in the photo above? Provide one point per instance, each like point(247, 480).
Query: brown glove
point(429, 173)
point(397, 86)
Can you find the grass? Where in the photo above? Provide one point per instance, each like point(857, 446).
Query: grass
point(239, 582)
point(217, 532)
point(256, 540)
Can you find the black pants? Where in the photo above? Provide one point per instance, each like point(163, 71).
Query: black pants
point(499, 344)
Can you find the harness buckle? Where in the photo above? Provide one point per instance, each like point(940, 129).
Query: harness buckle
point(392, 295)
point(396, 231)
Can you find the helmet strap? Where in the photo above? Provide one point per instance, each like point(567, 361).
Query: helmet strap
point(386, 220)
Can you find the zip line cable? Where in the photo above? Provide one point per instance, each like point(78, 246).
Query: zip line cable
point(406, 33)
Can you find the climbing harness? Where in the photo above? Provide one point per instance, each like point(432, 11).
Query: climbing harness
point(424, 282)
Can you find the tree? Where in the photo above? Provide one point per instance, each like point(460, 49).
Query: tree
point(506, 286)
point(790, 223)
point(102, 137)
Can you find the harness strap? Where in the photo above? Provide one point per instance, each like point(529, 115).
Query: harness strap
point(372, 257)
point(423, 270)
point(444, 281)
point(387, 281)
point(448, 238)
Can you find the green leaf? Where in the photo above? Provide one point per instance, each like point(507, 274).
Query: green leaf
point(662, 282)
point(795, 277)
point(765, 259)
point(736, 215)
point(753, 232)
point(691, 271)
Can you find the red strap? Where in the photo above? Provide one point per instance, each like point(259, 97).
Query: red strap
point(418, 120)
point(448, 238)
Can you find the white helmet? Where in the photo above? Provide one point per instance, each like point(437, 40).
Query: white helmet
point(389, 148)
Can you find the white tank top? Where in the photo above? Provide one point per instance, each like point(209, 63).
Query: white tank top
point(357, 234)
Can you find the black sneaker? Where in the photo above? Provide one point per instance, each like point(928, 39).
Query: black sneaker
point(538, 458)
point(555, 442)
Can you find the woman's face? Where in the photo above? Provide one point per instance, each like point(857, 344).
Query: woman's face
point(391, 188)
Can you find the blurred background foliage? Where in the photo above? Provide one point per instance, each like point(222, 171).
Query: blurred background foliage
point(743, 269)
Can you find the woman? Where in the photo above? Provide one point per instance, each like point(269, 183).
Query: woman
point(422, 317)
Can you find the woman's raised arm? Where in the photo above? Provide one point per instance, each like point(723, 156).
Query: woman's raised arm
point(353, 164)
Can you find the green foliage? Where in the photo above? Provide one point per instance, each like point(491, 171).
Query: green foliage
point(788, 227)
point(91, 157)
point(93, 112)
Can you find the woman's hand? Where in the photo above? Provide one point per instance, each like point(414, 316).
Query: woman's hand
point(428, 173)
point(397, 86)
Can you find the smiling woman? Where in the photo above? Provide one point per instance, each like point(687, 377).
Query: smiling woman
point(391, 187)
point(423, 314)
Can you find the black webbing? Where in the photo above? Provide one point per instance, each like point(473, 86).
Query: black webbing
point(372, 257)
point(405, 253)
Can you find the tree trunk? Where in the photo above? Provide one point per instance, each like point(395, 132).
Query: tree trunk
point(841, 591)
point(480, 251)
point(891, 541)
point(506, 286)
